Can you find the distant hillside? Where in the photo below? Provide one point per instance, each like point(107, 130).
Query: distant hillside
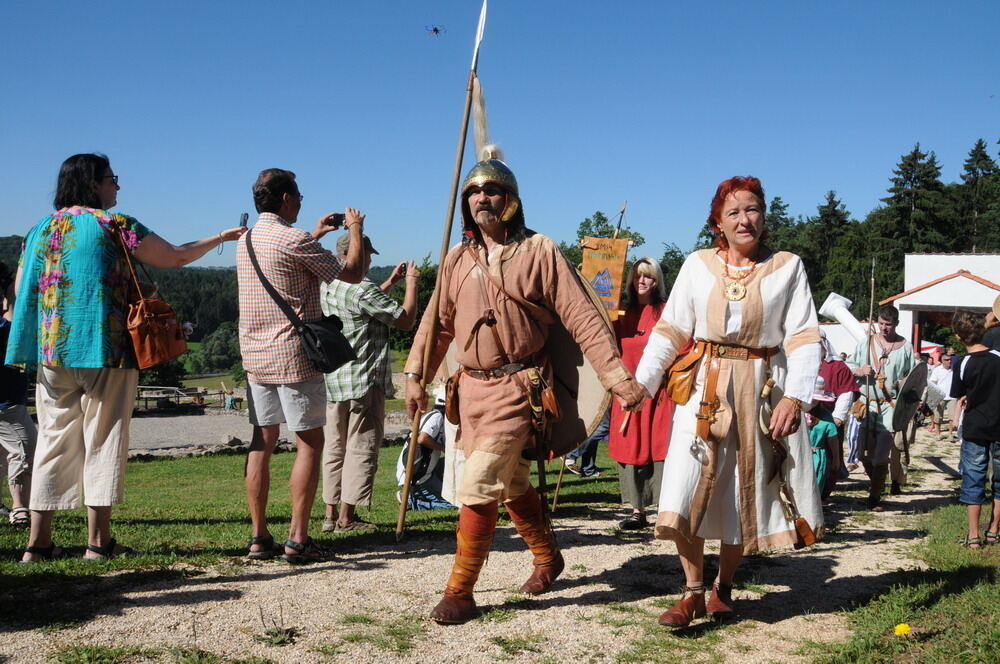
point(206, 296)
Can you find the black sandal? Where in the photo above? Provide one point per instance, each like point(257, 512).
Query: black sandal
point(46, 552)
point(269, 548)
point(305, 552)
point(107, 552)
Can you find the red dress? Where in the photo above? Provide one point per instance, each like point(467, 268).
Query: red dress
point(648, 433)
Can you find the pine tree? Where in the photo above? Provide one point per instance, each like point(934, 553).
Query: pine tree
point(782, 229)
point(916, 205)
point(816, 238)
point(977, 192)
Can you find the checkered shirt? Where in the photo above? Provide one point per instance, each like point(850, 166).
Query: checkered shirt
point(367, 313)
point(295, 263)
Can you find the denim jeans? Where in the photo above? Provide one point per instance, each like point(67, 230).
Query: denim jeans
point(586, 453)
point(974, 459)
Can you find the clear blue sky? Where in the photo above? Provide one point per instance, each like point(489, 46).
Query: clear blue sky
point(593, 103)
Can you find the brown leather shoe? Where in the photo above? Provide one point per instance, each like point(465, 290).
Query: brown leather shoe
point(720, 604)
point(685, 610)
point(455, 608)
point(544, 576)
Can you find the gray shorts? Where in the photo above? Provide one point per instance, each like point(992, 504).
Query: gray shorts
point(301, 406)
point(17, 436)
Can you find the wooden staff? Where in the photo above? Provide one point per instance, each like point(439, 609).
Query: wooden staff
point(432, 307)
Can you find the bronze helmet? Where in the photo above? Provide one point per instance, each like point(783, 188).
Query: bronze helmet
point(491, 169)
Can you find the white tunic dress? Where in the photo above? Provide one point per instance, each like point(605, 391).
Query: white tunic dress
point(741, 506)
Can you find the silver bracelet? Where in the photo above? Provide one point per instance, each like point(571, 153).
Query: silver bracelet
point(410, 374)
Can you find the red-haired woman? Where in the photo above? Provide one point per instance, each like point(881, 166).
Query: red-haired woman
point(751, 316)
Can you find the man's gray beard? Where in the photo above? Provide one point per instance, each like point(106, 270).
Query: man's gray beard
point(486, 219)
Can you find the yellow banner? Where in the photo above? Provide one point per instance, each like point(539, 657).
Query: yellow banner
point(604, 267)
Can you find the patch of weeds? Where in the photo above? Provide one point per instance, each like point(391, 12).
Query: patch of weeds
point(623, 615)
point(519, 644)
point(357, 619)
point(863, 518)
point(277, 634)
point(328, 650)
point(582, 569)
point(101, 655)
point(753, 584)
point(398, 636)
point(51, 628)
point(193, 656)
point(507, 610)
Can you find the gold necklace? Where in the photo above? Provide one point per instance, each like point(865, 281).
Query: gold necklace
point(735, 289)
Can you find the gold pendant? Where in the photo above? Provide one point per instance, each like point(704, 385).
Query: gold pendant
point(735, 291)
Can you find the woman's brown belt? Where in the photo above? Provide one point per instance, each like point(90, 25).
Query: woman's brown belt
point(715, 353)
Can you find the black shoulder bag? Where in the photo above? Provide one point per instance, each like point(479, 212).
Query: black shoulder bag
point(322, 342)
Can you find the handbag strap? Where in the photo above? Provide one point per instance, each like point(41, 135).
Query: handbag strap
point(131, 266)
point(280, 301)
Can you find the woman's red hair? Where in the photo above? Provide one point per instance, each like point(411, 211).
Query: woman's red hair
point(727, 187)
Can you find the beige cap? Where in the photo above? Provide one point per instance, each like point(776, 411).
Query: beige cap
point(996, 307)
point(344, 243)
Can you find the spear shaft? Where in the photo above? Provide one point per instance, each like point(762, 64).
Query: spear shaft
point(432, 307)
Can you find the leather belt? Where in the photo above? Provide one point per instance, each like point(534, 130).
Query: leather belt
point(715, 353)
point(499, 372)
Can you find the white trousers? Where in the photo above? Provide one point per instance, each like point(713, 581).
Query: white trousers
point(83, 420)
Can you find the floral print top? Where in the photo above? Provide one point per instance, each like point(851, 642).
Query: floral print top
point(72, 300)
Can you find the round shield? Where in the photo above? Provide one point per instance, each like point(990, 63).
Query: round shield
point(582, 398)
point(911, 391)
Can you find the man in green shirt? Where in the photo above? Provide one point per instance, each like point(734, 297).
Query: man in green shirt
point(356, 392)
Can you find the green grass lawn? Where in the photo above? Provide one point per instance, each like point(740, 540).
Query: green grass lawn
point(950, 610)
point(212, 383)
point(193, 511)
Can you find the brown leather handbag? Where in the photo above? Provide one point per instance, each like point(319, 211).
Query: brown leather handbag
point(682, 373)
point(451, 403)
point(152, 324)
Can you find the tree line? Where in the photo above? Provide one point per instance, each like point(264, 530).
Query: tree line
point(919, 213)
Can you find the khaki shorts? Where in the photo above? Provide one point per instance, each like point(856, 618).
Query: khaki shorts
point(300, 406)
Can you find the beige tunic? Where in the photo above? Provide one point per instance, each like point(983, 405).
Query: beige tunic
point(494, 414)
point(741, 506)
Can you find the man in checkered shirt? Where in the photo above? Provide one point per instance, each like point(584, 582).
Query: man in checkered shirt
point(355, 420)
point(282, 384)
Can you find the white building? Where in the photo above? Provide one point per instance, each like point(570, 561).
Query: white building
point(935, 285)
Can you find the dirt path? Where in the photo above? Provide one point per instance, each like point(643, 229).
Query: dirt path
point(367, 604)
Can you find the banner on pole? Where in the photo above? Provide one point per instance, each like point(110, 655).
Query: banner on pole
point(604, 267)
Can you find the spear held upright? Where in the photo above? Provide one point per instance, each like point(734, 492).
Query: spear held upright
point(433, 304)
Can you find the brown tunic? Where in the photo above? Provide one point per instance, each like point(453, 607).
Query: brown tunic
point(495, 415)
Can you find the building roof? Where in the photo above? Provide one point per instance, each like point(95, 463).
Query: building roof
point(959, 273)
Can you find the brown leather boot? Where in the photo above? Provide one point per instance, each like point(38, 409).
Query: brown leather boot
point(686, 609)
point(877, 476)
point(526, 513)
point(720, 604)
point(474, 536)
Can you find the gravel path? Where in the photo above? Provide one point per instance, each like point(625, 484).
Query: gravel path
point(602, 609)
point(151, 432)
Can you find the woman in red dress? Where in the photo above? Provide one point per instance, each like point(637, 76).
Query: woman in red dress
point(642, 447)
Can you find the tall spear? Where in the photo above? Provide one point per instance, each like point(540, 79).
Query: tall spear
point(433, 304)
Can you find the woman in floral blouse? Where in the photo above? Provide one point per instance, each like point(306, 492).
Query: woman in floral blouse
point(69, 319)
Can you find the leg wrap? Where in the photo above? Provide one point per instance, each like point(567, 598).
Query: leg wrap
point(526, 513)
point(474, 536)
